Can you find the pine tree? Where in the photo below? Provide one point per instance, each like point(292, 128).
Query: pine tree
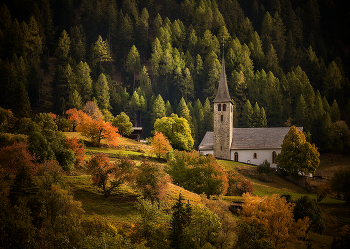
point(208, 116)
point(133, 62)
point(102, 92)
point(158, 109)
point(84, 81)
point(263, 118)
point(63, 48)
point(332, 80)
point(301, 116)
point(335, 112)
point(74, 101)
point(180, 219)
point(256, 117)
point(100, 53)
point(168, 109)
point(247, 113)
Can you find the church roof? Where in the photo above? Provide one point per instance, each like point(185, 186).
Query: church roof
point(223, 94)
point(250, 138)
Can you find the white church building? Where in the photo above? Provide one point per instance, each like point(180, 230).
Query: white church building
point(246, 145)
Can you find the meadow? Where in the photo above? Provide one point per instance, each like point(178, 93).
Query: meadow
point(120, 209)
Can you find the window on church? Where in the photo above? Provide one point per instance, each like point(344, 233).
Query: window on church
point(222, 118)
point(219, 107)
point(274, 157)
point(236, 156)
point(255, 156)
point(224, 107)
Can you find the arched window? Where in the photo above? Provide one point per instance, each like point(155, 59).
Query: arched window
point(255, 156)
point(236, 156)
point(219, 107)
point(231, 108)
point(274, 157)
point(224, 107)
point(222, 118)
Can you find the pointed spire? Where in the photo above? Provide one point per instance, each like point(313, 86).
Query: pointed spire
point(223, 94)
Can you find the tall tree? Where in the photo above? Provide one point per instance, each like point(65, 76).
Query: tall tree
point(158, 109)
point(102, 92)
point(332, 80)
point(84, 81)
point(100, 53)
point(133, 62)
point(247, 113)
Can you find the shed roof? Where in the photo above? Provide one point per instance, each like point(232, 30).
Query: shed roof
point(250, 138)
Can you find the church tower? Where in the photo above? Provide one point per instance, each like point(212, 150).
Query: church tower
point(223, 118)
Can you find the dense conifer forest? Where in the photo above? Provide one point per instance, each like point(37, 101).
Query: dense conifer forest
point(287, 62)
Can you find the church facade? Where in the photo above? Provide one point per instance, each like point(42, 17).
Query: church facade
point(246, 145)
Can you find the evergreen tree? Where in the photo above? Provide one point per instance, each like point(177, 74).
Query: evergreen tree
point(332, 80)
point(247, 114)
point(325, 104)
point(301, 116)
point(263, 118)
point(102, 92)
point(63, 48)
point(180, 219)
point(335, 112)
point(158, 109)
point(144, 81)
point(256, 117)
point(318, 110)
point(208, 116)
point(272, 63)
point(74, 101)
point(84, 81)
point(78, 43)
point(168, 109)
point(125, 35)
point(100, 53)
point(133, 62)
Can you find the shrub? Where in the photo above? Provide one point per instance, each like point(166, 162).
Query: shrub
point(264, 167)
point(238, 185)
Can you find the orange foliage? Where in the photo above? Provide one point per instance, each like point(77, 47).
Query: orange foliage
point(76, 117)
point(275, 216)
point(238, 184)
point(78, 149)
point(15, 156)
point(54, 116)
point(160, 145)
point(97, 129)
point(110, 176)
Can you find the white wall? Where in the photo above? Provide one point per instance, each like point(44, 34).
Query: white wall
point(246, 156)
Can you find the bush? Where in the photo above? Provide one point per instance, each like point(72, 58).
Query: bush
point(238, 184)
point(264, 167)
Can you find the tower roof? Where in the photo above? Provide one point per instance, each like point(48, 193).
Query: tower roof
point(223, 94)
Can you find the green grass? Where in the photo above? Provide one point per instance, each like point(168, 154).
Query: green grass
point(115, 208)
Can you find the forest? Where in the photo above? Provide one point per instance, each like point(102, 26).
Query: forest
point(286, 61)
point(77, 75)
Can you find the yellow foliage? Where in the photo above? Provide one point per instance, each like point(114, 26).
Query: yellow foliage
point(275, 215)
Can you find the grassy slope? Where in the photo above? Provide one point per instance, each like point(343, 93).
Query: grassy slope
point(120, 209)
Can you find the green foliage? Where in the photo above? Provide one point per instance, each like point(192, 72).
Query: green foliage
point(197, 173)
point(264, 167)
point(251, 236)
point(297, 155)
point(106, 240)
point(177, 130)
point(122, 122)
point(339, 183)
point(203, 228)
point(150, 228)
point(102, 92)
point(339, 137)
point(305, 207)
point(179, 221)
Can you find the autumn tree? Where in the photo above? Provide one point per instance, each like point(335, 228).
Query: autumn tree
point(91, 109)
point(297, 155)
point(238, 184)
point(122, 122)
point(160, 145)
point(272, 218)
point(79, 150)
point(15, 156)
point(109, 176)
point(152, 181)
point(75, 117)
point(177, 130)
point(97, 129)
point(198, 173)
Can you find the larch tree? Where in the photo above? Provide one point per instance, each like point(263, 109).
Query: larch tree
point(100, 52)
point(247, 114)
point(160, 145)
point(158, 108)
point(102, 92)
point(84, 81)
point(133, 62)
point(297, 155)
point(333, 79)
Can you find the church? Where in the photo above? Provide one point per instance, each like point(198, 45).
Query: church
point(246, 145)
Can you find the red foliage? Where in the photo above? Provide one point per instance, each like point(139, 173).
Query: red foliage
point(54, 116)
point(15, 156)
point(78, 149)
point(238, 185)
point(75, 117)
